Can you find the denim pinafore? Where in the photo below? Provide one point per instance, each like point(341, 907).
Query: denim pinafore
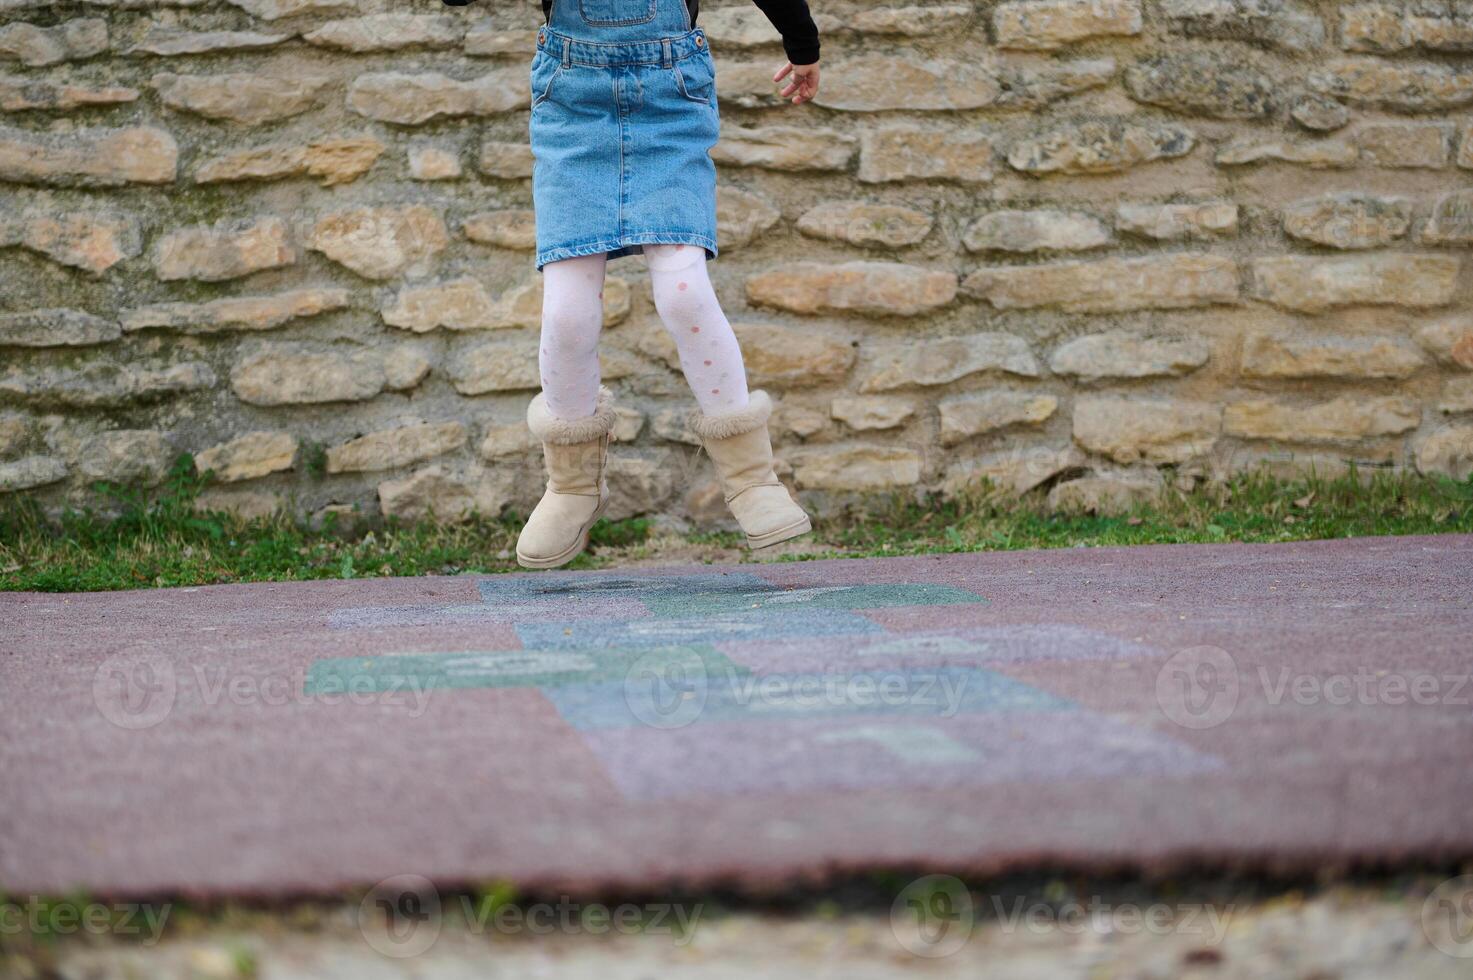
point(624, 115)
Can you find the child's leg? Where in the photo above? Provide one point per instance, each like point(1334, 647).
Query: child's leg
point(572, 318)
point(687, 303)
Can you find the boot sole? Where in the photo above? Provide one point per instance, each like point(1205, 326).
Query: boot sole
point(573, 552)
point(780, 535)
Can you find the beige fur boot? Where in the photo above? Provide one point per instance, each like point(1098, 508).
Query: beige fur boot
point(739, 445)
point(576, 453)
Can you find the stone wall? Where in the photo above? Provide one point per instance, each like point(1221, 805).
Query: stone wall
point(1086, 246)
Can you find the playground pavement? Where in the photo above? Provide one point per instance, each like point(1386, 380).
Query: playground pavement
point(1274, 707)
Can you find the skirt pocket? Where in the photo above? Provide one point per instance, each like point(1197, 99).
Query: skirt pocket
point(695, 78)
point(545, 71)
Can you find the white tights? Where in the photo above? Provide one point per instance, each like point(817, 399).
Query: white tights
point(572, 318)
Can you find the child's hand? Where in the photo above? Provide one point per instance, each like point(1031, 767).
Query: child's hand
point(804, 84)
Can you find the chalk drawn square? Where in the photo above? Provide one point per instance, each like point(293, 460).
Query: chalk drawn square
point(815, 755)
point(547, 669)
point(471, 614)
point(554, 587)
point(735, 694)
point(774, 598)
point(781, 623)
point(964, 646)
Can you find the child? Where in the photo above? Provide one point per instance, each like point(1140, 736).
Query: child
point(624, 112)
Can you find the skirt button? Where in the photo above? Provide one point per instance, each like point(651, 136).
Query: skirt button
point(700, 40)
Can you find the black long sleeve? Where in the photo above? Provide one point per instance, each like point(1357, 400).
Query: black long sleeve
point(791, 18)
point(793, 21)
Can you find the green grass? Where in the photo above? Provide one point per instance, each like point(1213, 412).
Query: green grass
point(163, 540)
point(1252, 507)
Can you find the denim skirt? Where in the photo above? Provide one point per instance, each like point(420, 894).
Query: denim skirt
point(621, 133)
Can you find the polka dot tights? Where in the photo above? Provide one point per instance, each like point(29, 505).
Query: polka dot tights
point(687, 304)
point(572, 318)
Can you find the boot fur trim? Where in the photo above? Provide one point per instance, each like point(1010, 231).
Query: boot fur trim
point(754, 416)
point(549, 428)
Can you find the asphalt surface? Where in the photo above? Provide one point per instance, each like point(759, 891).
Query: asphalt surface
point(1258, 706)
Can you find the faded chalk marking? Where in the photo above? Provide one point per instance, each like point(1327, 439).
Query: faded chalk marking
point(749, 624)
point(498, 668)
point(518, 664)
point(915, 745)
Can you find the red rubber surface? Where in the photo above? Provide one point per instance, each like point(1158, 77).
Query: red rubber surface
point(1347, 738)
